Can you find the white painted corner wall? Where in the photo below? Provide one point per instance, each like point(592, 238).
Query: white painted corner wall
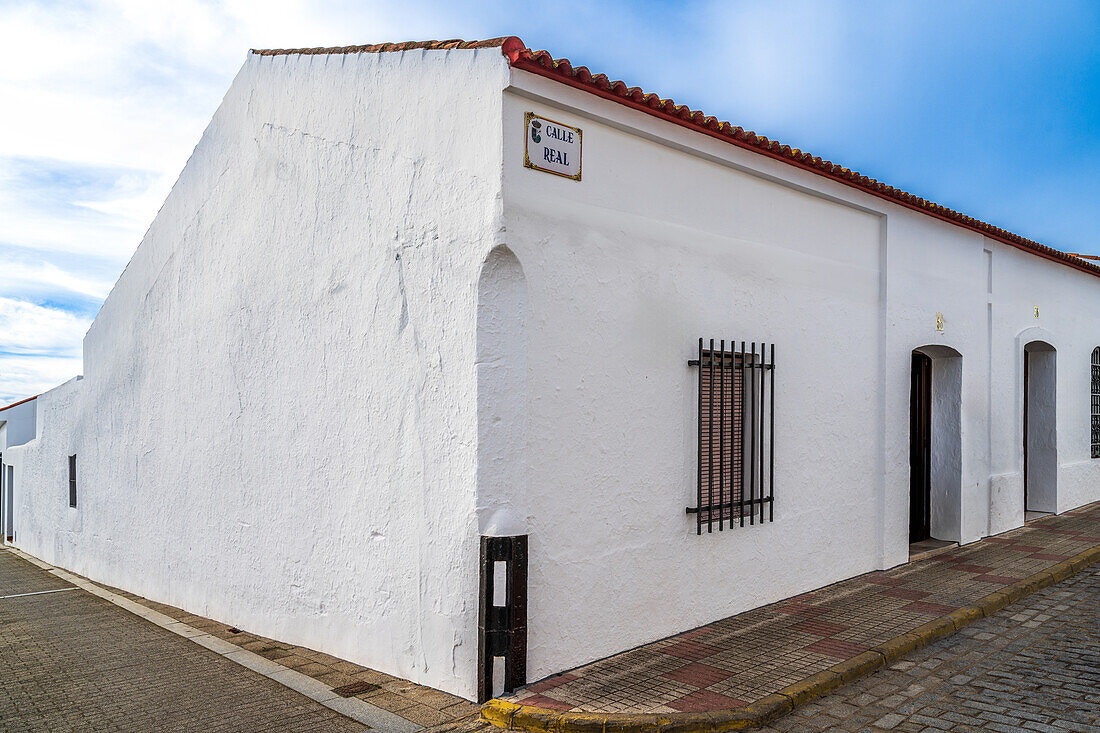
point(671, 236)
point(277, 426)
point(359, 334)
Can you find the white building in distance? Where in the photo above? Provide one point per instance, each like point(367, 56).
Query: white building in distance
point(404, 298)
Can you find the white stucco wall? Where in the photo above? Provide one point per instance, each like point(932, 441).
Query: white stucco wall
point(17, 424)
point(626, 269)
point(279, 424)
point(672, 235)
point(359, 333)
point(41, 516)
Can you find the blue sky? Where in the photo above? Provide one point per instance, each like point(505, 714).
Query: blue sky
point(990, 108)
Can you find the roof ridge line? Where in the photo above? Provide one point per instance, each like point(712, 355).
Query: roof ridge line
point(455, 43)
point(20, 402)
point(541, 62)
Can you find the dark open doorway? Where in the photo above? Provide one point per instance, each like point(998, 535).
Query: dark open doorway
point(920, 449)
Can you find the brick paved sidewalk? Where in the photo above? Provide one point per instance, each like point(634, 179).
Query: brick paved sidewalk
point(424, 706)
point(738, 660)
point(420, 705)
point(70, 661)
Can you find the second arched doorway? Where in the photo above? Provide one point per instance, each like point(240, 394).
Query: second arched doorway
point(935, 445)
point(1040, 429)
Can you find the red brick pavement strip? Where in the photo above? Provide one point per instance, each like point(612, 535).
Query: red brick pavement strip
point(792, 647)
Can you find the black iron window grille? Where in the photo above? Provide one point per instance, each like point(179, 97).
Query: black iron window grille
point(736, 414)
point(1096, 402)
point(72, 481)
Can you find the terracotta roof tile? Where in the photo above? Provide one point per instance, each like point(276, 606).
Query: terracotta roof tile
point(562, 70)
point(20, 402)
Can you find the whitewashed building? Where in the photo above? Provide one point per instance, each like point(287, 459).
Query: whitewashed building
point(17, 426)
point(407, 297)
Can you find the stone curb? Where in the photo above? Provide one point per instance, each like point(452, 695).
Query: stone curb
point(513, 716)
point(358, 710)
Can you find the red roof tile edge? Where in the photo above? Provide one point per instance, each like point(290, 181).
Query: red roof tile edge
point(17, 404)
point(561, 70)
point(387, 47)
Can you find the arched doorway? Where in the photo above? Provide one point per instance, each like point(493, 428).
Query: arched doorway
point(935, 447)
point(1040, 428)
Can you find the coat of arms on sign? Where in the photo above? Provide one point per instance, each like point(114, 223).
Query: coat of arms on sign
point(552, 147)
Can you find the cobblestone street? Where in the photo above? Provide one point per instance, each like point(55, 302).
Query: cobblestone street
point(1034, 666)
point(70, 661)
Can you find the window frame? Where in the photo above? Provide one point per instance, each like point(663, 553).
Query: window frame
point(1094, 411)
point(72, 481)
point(735, 415)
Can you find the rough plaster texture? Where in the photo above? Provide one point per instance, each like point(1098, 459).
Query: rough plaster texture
point(359, 333)
point(279, 425)
point(502, 396)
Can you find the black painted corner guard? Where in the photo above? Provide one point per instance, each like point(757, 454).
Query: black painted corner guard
point(502, 630)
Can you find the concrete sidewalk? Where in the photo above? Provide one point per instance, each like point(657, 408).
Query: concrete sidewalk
point(739, 660)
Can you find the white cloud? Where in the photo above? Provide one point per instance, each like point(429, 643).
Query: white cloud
point(26, 376)
point(28, 329)
point(43, 280)
point(39, 348)
point(103, 103)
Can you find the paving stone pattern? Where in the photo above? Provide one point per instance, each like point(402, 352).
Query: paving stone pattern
point(740, 659)
point(70, 661)
point(1033, 666)
point(425, 706)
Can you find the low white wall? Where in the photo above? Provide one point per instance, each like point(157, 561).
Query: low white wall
point(41, 515)
point(17, 424)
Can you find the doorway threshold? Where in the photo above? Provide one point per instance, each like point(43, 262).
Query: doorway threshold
point(1030, 516)
point(929, 548)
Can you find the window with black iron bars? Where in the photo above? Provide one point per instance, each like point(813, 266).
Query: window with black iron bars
point(1096, 402)
point(736, 424)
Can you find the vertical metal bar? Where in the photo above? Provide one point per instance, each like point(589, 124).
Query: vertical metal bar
point(710, 444)
point(771, 443)
point(721, 429)
point(699, 487)
point(515, 662)
point(741, 443)
point(763, 373)
point(484, 623)
point(752, 436)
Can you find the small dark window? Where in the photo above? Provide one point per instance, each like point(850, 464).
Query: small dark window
point(736, 416)
point(1096, 402)
point(72, 481)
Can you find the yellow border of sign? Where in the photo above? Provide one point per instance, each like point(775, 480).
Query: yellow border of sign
point(527, 158)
